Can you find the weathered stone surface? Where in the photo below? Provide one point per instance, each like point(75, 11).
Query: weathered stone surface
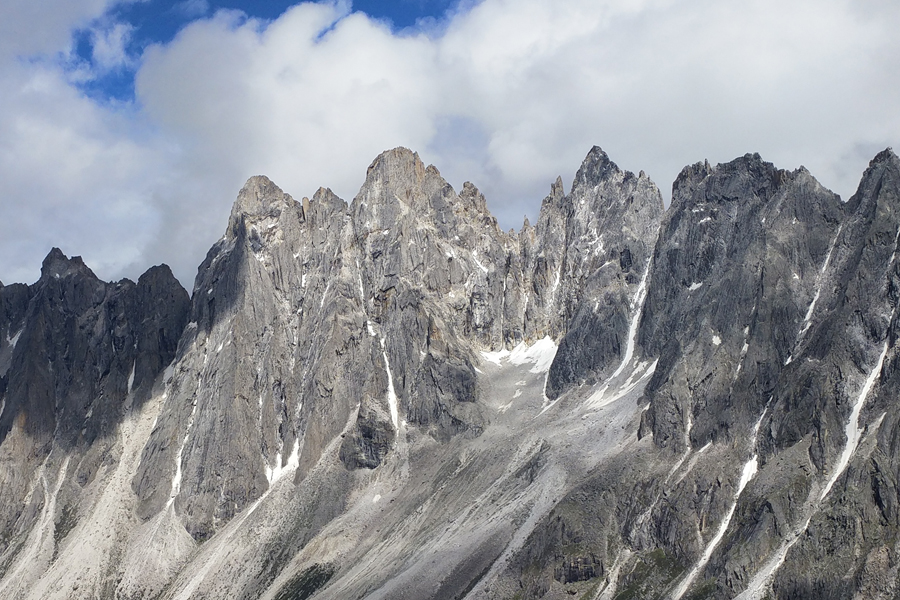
point(611, 221)
point(737, 263)
point(77, 357)
point(360, 386)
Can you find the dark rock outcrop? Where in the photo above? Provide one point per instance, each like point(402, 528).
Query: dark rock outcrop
point(77, 356)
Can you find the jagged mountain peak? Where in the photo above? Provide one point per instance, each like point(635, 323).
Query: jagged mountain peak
point(328, 199)
point(885, 156)
point(156, 276)
point(877, 188)
point(557, 191)
point(397, 169)
point(259, 199)
point(748, 176)
point(58, 265)
point(885, 163)
point(395, 399)
point(595, 168)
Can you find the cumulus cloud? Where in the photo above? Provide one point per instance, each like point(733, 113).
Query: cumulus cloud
point(506, 94)
point(73, 175)
point(30, 28)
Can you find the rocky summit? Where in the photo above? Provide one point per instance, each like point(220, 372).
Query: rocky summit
point(395, 399)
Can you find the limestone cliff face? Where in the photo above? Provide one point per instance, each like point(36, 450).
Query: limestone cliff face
point(738, 262)
point(264, 373)
point(770, 310)
point(393, 398)
point(608, 224)
point(78, 356)
point(307, 314)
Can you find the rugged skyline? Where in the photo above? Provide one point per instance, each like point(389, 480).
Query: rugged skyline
point(123, 146)
point(394, 398)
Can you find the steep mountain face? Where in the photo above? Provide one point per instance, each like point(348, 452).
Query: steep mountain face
point(770, 309)
point(396, 399)
point(609, 224)
point(79, 355)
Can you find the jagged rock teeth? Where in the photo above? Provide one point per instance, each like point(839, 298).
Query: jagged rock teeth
point(56, 264)
point(78, 358)
point(395, 398)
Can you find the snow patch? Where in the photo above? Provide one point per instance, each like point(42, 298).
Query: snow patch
point(540, 354)
point(131, 377)
point(495, 357)
point(812, 305)
point(176, 479)
point(641, 372)
point(599, 398)
point(695, 286)
point(324, 295)
point(12, 341)
point(362, 293)
point(749, 471)
point(392, 394)
point(637, 305)
point(852, 430)
point(478, 262)
point(747, 474)
point(275, 473)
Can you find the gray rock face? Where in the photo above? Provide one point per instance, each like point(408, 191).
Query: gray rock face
point(77, 356)
point(737, 265)
point(308, 311)
point(609, 220)
point(97, 342)
point(275, 320)
point(769, 310)
point(396, 399)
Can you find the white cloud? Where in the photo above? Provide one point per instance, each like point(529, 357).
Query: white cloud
point(31, 28)
point(507, 94)
point(192, 8)
point(73, 175)
point(110, 46)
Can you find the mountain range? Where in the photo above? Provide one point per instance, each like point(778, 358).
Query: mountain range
point(394, 398)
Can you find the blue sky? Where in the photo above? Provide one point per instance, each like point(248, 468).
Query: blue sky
point(127, 127)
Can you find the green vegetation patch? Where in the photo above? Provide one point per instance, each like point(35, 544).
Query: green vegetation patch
point(307, 583)
point(66, 522)
point(653, 572)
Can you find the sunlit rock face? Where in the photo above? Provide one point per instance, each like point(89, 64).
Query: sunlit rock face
point(394, 398)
